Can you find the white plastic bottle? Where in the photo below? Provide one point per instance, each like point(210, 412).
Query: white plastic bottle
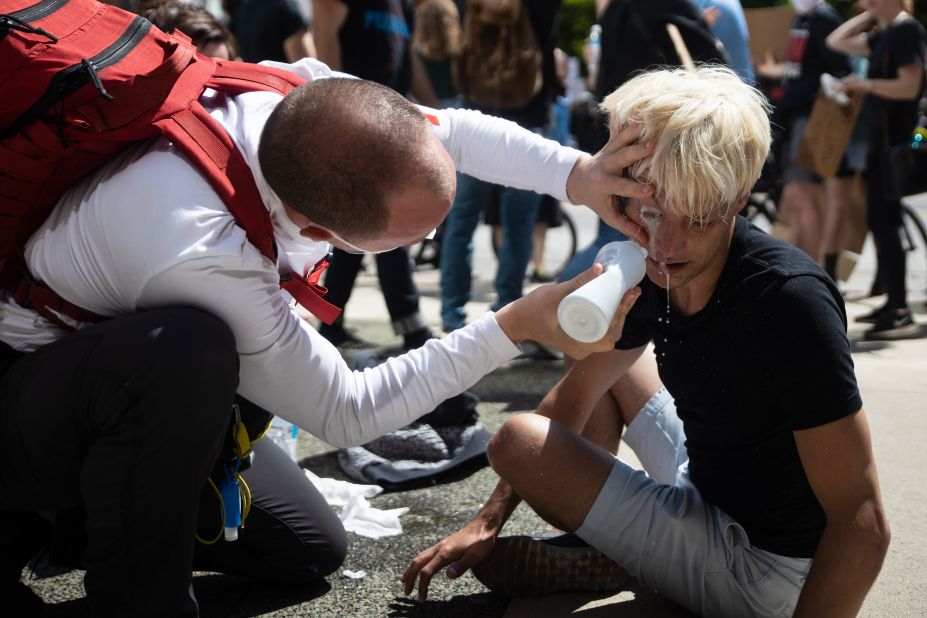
point(284, 434)
point(594, 49)
point(586, 313)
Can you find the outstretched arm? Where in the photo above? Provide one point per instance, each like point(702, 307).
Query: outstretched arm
point(850, 36)
point(327, 18)
point(501, 152)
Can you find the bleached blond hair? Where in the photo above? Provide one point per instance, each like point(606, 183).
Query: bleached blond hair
point(710, 132)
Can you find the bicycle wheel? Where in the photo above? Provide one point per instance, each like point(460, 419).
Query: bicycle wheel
point(560, 245)
point(914, 240)
point(760, 205)
point(427, 253)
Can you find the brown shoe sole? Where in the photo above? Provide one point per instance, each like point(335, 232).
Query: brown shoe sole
point(521, 566)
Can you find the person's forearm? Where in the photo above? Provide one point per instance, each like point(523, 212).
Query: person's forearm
point(498, 508)
point(846, 564)
point(502, 152)
point(897, 89)
point(421, 87)
point(298, 45)
point(843, 38)
point(328, 49)
point(772, 71)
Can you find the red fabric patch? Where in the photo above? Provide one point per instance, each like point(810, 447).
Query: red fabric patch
point(433, 119)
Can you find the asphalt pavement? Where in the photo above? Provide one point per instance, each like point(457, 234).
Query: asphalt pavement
point(892, 377)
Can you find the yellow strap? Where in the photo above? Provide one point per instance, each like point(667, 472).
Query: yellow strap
point(221, 517)
point(245, 492)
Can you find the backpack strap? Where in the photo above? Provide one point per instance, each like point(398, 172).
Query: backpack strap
point(203, 140)
point(210, 148)
point(35, 295)
point(308, 292)
point(234, 77)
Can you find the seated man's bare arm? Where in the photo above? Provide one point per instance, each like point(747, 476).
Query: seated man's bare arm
point(840, 467)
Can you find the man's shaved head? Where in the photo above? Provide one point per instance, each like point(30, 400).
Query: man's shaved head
point(336, 149)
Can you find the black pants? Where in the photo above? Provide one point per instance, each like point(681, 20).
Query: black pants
point(123, 421)
point(394, 270)
point(885, 223)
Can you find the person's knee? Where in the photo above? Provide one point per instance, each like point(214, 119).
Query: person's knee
point(195, 347)
point(515, 439)
point(316, 555)
point(333, 554)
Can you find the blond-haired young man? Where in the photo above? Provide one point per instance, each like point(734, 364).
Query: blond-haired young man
point(761, 496)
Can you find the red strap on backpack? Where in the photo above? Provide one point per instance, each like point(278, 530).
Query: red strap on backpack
point(139, 83)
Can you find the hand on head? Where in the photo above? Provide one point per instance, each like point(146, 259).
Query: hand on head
point(600, 180)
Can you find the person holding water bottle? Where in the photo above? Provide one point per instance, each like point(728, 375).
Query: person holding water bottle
point(760, 496)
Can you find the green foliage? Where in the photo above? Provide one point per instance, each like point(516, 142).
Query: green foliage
point(576, 17)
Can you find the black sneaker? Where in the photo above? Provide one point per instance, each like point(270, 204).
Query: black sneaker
point(531, 566)
point(344, 339)
point(540, 277)
point(893, 325)
point(870, 317)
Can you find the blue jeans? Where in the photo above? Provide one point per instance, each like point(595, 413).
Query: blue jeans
point(517, 212)
point(586, 256)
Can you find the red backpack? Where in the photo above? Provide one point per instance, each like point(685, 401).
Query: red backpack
point(81, 81)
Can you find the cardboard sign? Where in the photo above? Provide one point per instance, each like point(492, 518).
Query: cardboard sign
point(827, 134)
point(769, 30)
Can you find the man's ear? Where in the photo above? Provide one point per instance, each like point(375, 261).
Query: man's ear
point(316, 233)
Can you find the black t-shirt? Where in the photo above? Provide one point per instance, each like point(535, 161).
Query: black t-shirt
point(261, 27)
point(768, 355)
point(534, 113)
point(806, 58)
point(375, 41)
point(899, 45)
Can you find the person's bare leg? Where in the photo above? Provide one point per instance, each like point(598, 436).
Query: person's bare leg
point(537, 248)
point(800, 202)
point(838, 191)
point(559, 473)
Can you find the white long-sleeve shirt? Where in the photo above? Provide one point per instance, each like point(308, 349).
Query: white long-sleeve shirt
point(147, 231)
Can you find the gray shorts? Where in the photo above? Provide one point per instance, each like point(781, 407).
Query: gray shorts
point(660, 529)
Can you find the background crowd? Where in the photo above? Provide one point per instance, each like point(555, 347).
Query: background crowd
point(587, 49)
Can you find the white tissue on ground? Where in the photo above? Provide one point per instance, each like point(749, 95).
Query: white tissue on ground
point(354, 574)
point(357, 515)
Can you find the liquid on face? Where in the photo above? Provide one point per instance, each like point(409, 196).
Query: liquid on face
point(666, 272)
point(651, 218)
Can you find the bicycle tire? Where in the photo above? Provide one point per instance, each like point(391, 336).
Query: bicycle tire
point(915, 239)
